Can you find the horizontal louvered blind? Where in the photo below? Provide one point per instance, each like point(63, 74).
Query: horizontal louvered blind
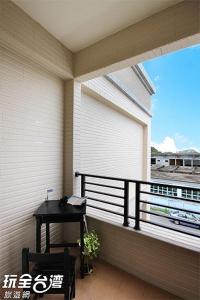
point(111, 145)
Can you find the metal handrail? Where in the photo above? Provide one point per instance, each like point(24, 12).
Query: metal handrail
point(138, 192)
point(106, 202)
point(102, 193)
point(135, 180)
point(104, 185)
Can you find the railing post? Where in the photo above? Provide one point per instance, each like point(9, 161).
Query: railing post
point(126, 203)
point(83, 186)
point(137, 206)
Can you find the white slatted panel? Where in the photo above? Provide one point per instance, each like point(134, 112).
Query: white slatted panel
point(31, 141)
point(111, 145)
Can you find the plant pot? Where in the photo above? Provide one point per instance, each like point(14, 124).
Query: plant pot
point(88, 267)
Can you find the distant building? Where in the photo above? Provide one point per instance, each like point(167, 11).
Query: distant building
point(184, 192)
point(182, 171)
point(179, 159)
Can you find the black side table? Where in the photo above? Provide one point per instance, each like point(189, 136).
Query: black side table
point(51, 212)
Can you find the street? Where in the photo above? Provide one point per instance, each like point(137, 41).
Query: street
point(167, 222)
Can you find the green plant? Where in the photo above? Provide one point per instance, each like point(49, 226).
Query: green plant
point(161, 209)
point(91, 245)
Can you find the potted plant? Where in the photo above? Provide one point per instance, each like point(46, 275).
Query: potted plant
point(91, 250)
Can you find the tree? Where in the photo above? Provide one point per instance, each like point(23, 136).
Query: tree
point(155, 151)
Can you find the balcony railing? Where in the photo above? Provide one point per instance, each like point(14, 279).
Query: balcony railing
point(92, 184)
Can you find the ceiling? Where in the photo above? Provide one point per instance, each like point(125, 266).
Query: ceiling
point(80, 23)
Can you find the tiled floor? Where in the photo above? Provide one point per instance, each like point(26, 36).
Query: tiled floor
point(110, 283)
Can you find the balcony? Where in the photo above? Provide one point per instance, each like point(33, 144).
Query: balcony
point(164, 255)
point(135, 206)
point(57, 116)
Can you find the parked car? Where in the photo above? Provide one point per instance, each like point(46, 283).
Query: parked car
point(183, 217)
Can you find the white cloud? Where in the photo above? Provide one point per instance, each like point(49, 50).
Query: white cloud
point(167, 145)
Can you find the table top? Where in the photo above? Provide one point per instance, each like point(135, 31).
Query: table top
point(52, 208)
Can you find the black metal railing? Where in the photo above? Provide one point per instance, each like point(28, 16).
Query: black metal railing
point(87, 186)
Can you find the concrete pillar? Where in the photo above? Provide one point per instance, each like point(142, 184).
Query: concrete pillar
point(72, 135)
point(146, 168)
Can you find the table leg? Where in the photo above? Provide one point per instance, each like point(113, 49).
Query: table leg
point(82, 248)
point(38, 235)
point(47, 237)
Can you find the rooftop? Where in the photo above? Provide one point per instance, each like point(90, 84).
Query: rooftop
point(181, 177)
point(177, 154)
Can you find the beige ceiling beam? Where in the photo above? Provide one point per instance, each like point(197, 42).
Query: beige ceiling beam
point(168, 30)
point(20, 33)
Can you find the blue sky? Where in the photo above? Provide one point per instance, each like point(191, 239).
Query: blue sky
point(176, 103)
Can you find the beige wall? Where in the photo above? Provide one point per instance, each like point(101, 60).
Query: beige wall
point(106, 91)
point(134, 86)
point(30, 40)
point(72, 136)
point(31, 153)
point(170, 267)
